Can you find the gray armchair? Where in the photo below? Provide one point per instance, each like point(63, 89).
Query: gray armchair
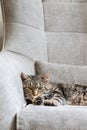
point(49, 30)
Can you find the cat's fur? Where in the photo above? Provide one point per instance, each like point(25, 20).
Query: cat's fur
point(40, 91)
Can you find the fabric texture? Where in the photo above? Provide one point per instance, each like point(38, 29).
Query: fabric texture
point(11, 91)
point(27, 12)
point(27, 41)
point(67, 48)
point(52, 118)
point(25, 28)
point(59, 17)
point(66, 31)
point(46, 30)
point(65, 1)
point(61, 73)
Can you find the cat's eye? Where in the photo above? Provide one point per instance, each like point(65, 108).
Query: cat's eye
point(40, 88)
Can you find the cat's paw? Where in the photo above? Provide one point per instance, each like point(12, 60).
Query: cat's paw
point(48, 103)
point(51, 103)
point(38, 101)
point(28, 101)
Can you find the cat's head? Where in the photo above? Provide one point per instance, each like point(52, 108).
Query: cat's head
point(34, 85)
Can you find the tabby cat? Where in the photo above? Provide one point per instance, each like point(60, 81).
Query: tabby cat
point(39, 90)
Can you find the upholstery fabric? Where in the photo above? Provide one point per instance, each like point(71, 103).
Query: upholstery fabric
point(11, 92)
point(27, 21)
point(25, 24)
point(27, 12)
point(66, 31)
point(61, 73)
point(52, 118)
point(67, 48)
point(61, 17)
point(27, 41)
point(65, 1)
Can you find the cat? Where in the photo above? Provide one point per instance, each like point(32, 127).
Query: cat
point(38, 90)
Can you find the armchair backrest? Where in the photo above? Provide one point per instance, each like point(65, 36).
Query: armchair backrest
point(25, 28)
point(66, 31)
point(53, 30)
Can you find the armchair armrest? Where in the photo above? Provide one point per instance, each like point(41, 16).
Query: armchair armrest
point(11, 92)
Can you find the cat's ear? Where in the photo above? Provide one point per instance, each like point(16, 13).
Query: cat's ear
point(23, 76)
point(46, 77)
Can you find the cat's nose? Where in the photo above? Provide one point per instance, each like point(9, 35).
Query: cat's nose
point(35, 92)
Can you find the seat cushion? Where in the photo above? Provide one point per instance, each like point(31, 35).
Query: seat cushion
point(62, 73)
point(52, 118)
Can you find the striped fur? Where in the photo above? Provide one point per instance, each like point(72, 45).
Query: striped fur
point(39, 90)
